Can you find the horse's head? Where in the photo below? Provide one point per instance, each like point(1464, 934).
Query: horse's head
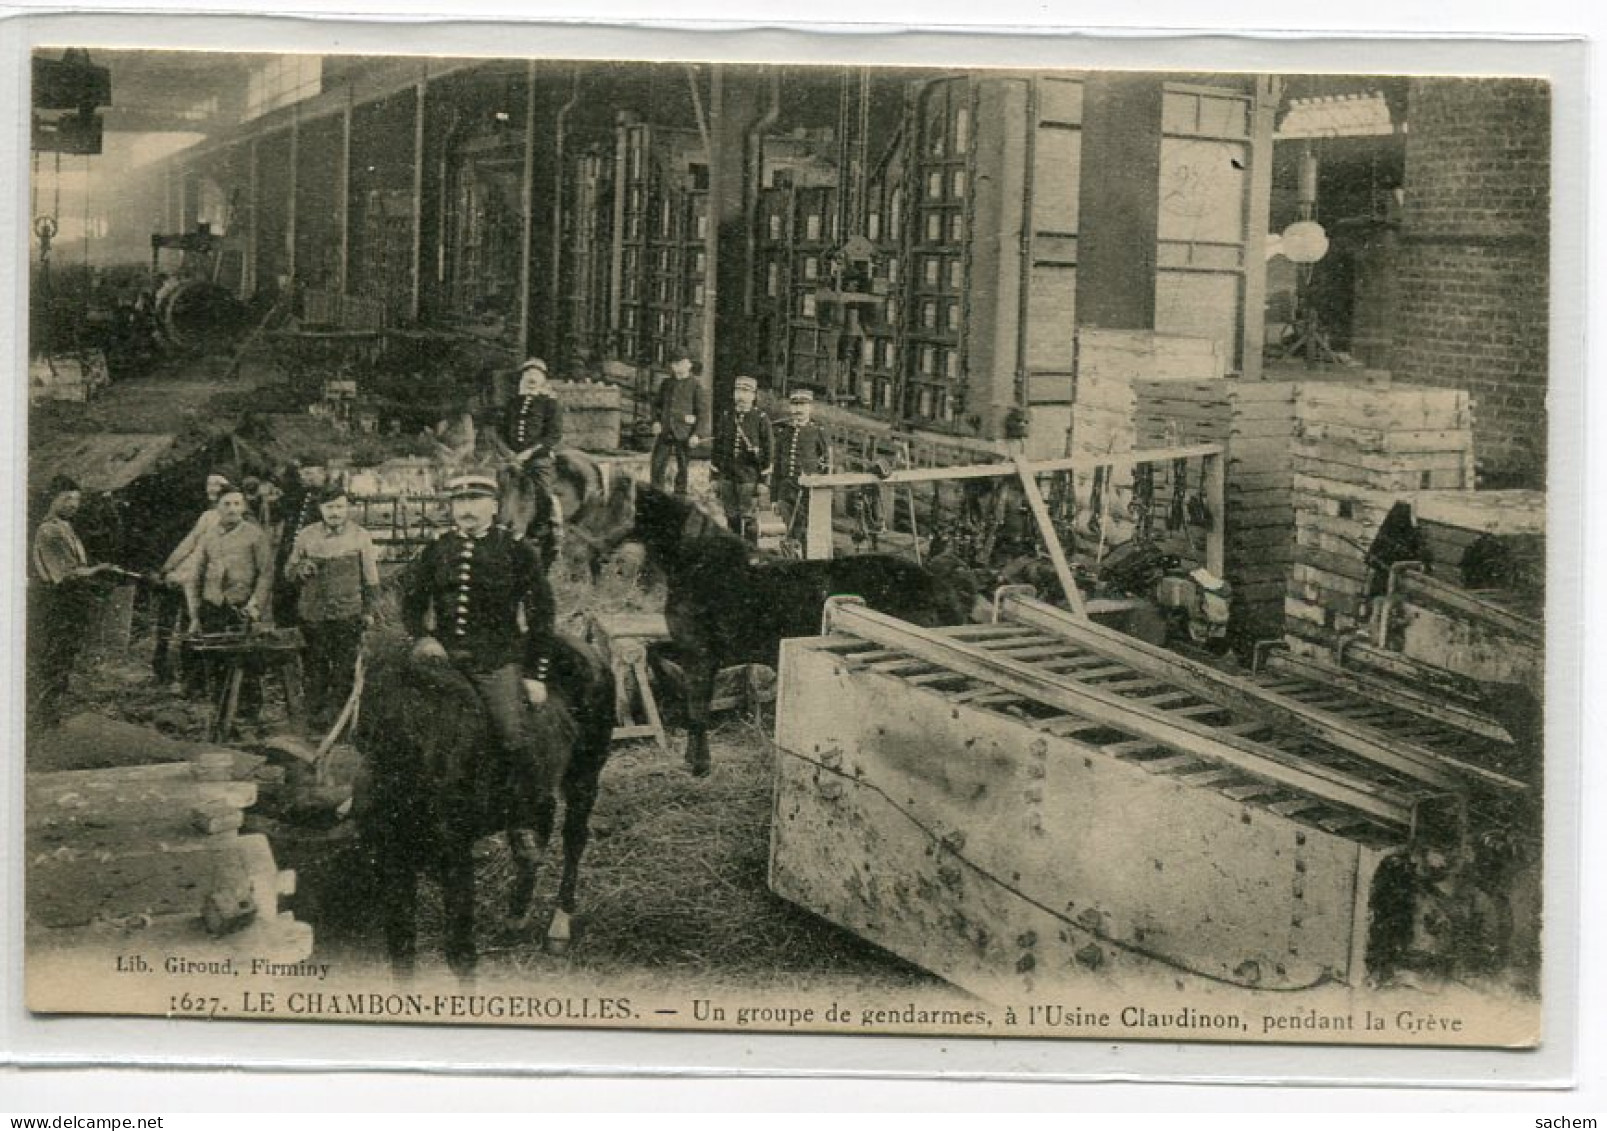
point(665, 523)
point(608, 521)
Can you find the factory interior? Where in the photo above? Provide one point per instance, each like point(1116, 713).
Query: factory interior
point(1225, 393)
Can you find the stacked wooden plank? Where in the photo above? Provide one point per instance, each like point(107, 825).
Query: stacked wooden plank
point(1254, 421)
point(1452, 521)
point(592, 413)
point(1109, 362)
point(1104, 413)
point(1359, 449)
point(151, 857)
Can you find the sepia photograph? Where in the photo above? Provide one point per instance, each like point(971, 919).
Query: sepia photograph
point(788, 548)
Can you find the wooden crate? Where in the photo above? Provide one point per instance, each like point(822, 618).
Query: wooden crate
point(1009, 860)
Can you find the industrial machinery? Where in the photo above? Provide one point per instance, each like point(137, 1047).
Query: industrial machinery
point(189, 309)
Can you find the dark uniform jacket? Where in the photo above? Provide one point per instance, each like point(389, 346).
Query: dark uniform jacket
point(799, 451)
point(476, 587)
point(743, 445)
point(681, 409)
point(531, 421)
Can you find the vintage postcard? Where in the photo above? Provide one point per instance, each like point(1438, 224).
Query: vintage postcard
point(741, 547)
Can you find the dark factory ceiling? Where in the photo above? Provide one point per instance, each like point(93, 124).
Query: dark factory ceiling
point(207, 92)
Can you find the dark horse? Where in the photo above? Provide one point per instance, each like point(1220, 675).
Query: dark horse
point(437, 783)
point(726, 606)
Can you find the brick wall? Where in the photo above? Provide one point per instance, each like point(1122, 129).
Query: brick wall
point(1473, 261)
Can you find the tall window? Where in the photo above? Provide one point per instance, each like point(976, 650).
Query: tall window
point(772, 280)
point(812, 226)
point(962, 129)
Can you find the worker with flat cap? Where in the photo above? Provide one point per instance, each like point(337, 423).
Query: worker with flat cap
point(801, 449)
point(533, 426)
point(170, 609)
point(680, 416)
point(62, 598)
point(462, 599)
point(227, 591)
point(335, 569)
point(743, 446)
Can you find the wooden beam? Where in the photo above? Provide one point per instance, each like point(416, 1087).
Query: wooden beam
point(1046, 531)
point(1385, 803)
point(527, 225)
point(416, 300)
point(1216, 496)
point(1234, 693)
point(250, 282)
point(1390, 693)
point(1419, 586)
point(344, 197)
point(1257, 219)
point(818, 536)
point(290, 209)
point(1007, 469)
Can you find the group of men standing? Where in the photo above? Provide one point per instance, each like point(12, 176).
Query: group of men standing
point(477, 597)
point(750, 453)
point(219, 579)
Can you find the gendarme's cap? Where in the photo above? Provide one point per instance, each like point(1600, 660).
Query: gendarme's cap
point(679, 353)
point(472, 487)
point(747, 383)
point(802, 396)
point(533, 363)
point(329, 492)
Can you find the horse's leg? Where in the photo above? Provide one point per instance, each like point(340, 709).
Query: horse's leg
point(699, 696)
point(399, 889)
point(528, 846)
point(580, 794)
point(457, 897)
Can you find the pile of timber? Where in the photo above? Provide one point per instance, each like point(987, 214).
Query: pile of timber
point(1254, 421)
point(592, 412)
point(151, 855)
point(1358, 450)
point(1453, 522)
point(1110, 363)
point(1104, 411)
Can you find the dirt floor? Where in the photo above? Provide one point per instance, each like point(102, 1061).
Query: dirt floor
point(674, 882)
